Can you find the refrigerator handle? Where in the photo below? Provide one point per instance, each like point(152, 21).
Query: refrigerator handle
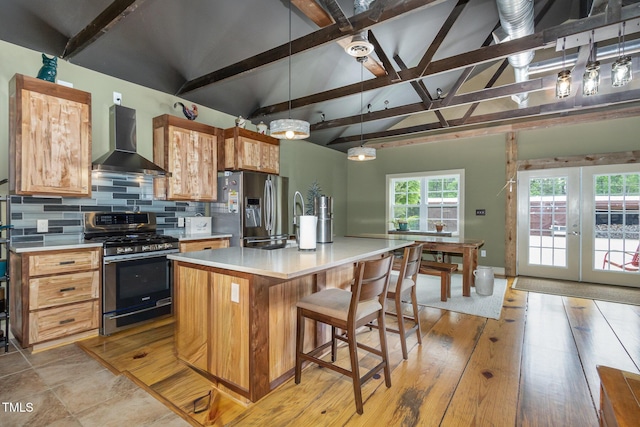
point(267, 205)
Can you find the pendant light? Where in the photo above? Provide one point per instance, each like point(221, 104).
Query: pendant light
point(361, 153)
point(289, 128)
point(621, 68)
point(563, 83)
point(591, 77)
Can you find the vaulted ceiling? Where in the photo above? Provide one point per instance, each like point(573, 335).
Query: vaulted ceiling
point(437, 71)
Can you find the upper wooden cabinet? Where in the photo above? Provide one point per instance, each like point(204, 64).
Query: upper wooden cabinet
point(247, 150)
point(189, 151)
point(49, 138)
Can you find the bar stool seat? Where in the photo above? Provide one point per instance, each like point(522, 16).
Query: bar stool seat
point(347, 311)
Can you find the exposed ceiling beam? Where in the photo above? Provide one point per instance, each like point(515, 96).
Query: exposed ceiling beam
point(540, 40)
point(338, 15)
point(388, 66)
point(558, 119)
point(423, 93)
point(442, 34)
point(565, 107)
point(108, 18)
point(490, 83)
point(316, 39)
point(314, 12)
point(377, 9)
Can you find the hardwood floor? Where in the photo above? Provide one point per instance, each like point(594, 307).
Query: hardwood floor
point(536, 366)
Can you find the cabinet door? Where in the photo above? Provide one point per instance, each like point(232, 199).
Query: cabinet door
point(192, 305)
point(192, 162)
point(55, 148)
point(270, 161)
point(249, 154)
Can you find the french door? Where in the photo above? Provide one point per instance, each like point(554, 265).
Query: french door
point(580, 224)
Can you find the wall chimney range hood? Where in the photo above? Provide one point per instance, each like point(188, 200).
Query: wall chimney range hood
point(123, 156)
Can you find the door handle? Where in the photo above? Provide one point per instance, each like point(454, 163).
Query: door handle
point(575, 233)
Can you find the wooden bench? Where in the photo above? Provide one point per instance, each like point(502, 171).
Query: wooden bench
point(442, 269)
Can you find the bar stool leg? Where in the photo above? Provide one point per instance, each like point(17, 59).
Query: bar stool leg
point(401, 331)
point(355, 370)
point(414, 303)
point(299, 345)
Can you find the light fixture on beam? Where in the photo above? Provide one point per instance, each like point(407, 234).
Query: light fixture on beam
point(290, 128)
point(359, 46)
point(563, 83)
point(621, 68)
point(591, 76)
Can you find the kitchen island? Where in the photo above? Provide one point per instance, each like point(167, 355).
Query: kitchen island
point(235, 308)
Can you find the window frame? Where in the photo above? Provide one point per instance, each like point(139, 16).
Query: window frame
point(423, 191)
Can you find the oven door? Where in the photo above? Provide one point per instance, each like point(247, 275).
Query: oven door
point(136, 288)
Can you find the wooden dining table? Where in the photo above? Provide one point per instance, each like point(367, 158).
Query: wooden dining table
point(468, 248)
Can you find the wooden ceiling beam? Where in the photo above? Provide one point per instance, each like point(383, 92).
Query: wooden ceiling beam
point(566, 108)
point(386, 63)
point(316, 39)
point(338, 15)
point(106, 20)
point(314, 12)
point(442, 34)
point(481, 55)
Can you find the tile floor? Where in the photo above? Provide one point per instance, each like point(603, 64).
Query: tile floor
point(67, 387)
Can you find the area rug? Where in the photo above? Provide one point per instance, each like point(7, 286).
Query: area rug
point(595, 291)
point(428, 291)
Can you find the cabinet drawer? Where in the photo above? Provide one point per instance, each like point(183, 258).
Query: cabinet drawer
point(201, 245)
point(59, 322)
point(63, 289)
point(63, 262)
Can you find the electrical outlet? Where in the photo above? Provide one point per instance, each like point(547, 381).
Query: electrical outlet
point(483, 253)
point(235, 292)
point(117, 98)
point(180, 221)
point(43, 225)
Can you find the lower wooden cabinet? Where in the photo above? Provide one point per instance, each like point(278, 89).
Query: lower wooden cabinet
point(55, 295)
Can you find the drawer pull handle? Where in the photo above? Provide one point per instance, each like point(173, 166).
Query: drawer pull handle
point(72, 288)
point(207, 248)
point(63, 322)
point(67, 262)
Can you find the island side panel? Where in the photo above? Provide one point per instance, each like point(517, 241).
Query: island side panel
point(282, 326)
point(230, 312)
point(192, 308)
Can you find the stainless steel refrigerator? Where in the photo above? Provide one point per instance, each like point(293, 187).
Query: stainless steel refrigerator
point(253, 207)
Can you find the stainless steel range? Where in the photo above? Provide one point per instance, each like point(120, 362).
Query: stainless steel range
point(137, 277)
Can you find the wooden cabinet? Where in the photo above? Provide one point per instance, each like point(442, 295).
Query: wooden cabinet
point(247, 150)
point(619, 397)
point(188, 150)
point(203, 244)
point(49, 138)
point(55, 295)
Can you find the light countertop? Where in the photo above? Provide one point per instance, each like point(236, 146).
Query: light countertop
point(289, 263)
point(53, 245)
point(185, 237)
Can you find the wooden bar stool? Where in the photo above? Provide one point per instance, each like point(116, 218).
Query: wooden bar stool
point(401, 286)
point(349, 310)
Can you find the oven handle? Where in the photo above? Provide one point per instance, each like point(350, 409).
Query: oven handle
point(160, 303)
point(133, 257)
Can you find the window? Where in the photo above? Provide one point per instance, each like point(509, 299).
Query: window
point(426, 199)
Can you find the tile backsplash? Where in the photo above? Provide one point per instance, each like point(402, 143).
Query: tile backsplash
point(111, 192)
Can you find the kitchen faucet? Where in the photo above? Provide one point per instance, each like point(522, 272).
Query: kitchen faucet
point(295, 223)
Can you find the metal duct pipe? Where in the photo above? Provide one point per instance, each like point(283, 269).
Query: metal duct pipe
point(516, 18)
point(602, 54)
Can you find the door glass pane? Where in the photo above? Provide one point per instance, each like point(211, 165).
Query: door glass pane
point(547, 221)
point(616, 222)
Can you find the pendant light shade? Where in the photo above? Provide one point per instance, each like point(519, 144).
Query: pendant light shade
point(290, 129)
point(591, 79)
point(361, 153)
point(621, 71)
point(621, 68)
